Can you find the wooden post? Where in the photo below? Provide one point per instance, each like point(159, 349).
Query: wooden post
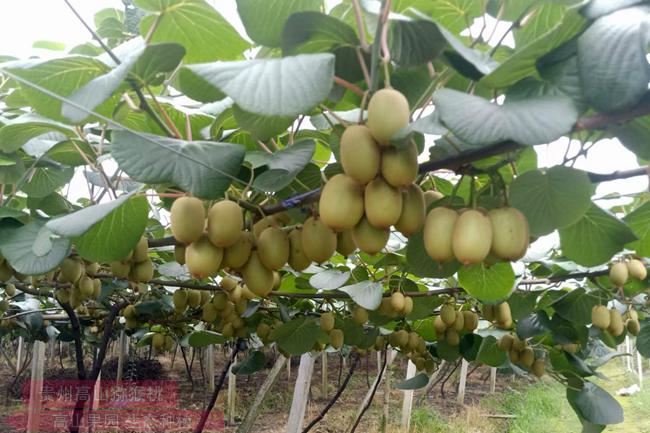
point(232, 396)
point(323, 383)
point(628, 349)
point(407, 405)
point(387, 375)
point(300, 394)
point(210, 366)
point(463, 381)
point(289, 372)
point(493, 379)
point(249, 420)
point(379, 361)
point(19, 354)
point(639, 362)
point(96, 391)
point(36, 388)
point(120, 356)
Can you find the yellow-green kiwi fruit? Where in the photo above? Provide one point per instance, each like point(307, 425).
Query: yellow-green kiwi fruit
point(432, 196)
point(225, 223)
point(209, 313)
point(359, 315)
point(257, 277)
point(451, 337)
point(297, 258)
point(470, 320)
point(397, 301)
point(220, 300)
point(6, 273)
point(503, 315)
point(263, 330)
point(141, 250)
point(408, 306)
point(202, 258)
point(120, 269)
point(382, 203)
point(228, 284)
point(438, 233)
point(369, 239)
point(616, 326)
point(636, 269)
point(179, 298)
point(388, 112)
point(527, 357)
point(129, 312)
point(344, 243)
point(360, 154)
point(510, 235)
point(187, 217)
point(236, 255)
point(10, 290)
point(400, 166)
point(618, 274)
point(448, 314)
point(142, 272)
point(600, 317)
point(459, 322)
point(538, 368)
point(336, 338)
point(327, 321)
point(193, 298)
point(633, 327)
point(158, 341)
point(413, 213)
point(318, 241)
point(92, 268)
point(179, 254)
point(169, 343)
point(341, 203)
point(86, 287)
point(506, 342)
point(71, 270)
point(263, 224)
point(472, 237)
point(273, 248)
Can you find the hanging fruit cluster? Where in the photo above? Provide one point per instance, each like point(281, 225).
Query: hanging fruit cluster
point(136, 266)
point(450, 324)
point(620, 272)
point(521, 353)
point(609, 320)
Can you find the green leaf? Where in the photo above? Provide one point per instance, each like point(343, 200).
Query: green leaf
point(252, 364)
point(415, 43)
point(635, 135)
point(33, 249)
point(297, 336)
point(197, 88)
point(314, 32)
point(603, 232)
point(453, 14)
point(28, 126)
point(420, 264)
point(284, 165)
point(470, 344)
point(612, 60)
point(273, 87)
point(116, 233)
point(488, 284)
point(197, 26)
point(264, 21)
point(262, 127)
point(535, 324)
point(576, 306)
point(522, 63)
point(330, 279)
point(480, 122)
point(489, 352)
point(157, 59)
point(44, 181)
point(69, 152)
point(49, 45)
point(367, 293)
point(203, 168)
point(416, 382)
point(205, 338)
point(546, 201)
point(639, 221)
point(11, 173)
point(522, 303)
point(595, 405)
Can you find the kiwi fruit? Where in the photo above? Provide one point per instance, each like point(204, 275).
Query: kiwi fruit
point(470, 321)
point(258, 278)
point(345, 243)
point(273, 248)
point(318, 240)
point(451, 337)
point(514, 356)
point(448, 314)
point(228, 331)
point(400, 166)
point(62, 295)
point(636, 269)
point(359, 315)
point(169, 343)
point(202, 258)
point(510, 235)
point(228, 284)
point(360, 154)
point(86, 287)
point(158, 341)
point(263, 224)
point(193, 298)
point(487, 310)
point(93, 268)
point(369, 239)
point(439, 325)
point(141, 251)
point(618, 274)
point(71, 270)
point(570, 347)
point(142, 272)
point(263, 331)
point(459, 322)
point(616, 326)
point(397, 301)
point(527, 357)
point(336, 338)
point(236, 255)
point(506, 342)
point(408, 306)
point(382, 203)
point(411, 220)
point(600, 317)
point(438, 229)
point(10, 290)
point(297, 258)
point(400, 338)
point(432, 196)
point(6, 273)
point(633, 326)
point(179, 298)
point(538, 368)
point(220, 300)
point(341, 203)
point(225, 223)
point(388, 112)
point(179, 254)
point(472, 237)
point(209, 313)
point(327, 321)
point(129, 312)
point(187, 217)
point(120, 269)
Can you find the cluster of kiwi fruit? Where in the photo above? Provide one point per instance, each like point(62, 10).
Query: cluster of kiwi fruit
point(472, 235)
point(610, 320)
point(377, 189)
point(620, 272)
point(396, 305)
point(75, 271)
point(451, 323)
point(7, 272)
point(162, 342)
point(499, 314)
point(413, 346)
point(519, 352)
point(136, 266)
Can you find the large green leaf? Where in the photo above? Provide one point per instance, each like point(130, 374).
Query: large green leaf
point(297, 336)
point(205, 338)
point(252, 364)
point(612, 59)
point(115, 234)
point(313, 32)
point(597, 8)
point(416, 382)
point(33, 249)
point(273, 87)
point(603, 232)
point(44, 181)
point(576, 306)
point(635, 135)
point(538, 22)
point(262, 127)
point(28, 126)
point(480, 122)
point(489, 352)
point(197, 26)
point(415, 42)
point(547, 202)
point(284, 165)
point(157, 59)
point(329, 279)
point(488, 284)
point(453, 14)
point(367, 293)
point(639, 221)
point(643, 341)
point(203, 168)
point(594, 404)
point(265, 20)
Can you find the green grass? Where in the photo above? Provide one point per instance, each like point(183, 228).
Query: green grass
point(428, 420)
